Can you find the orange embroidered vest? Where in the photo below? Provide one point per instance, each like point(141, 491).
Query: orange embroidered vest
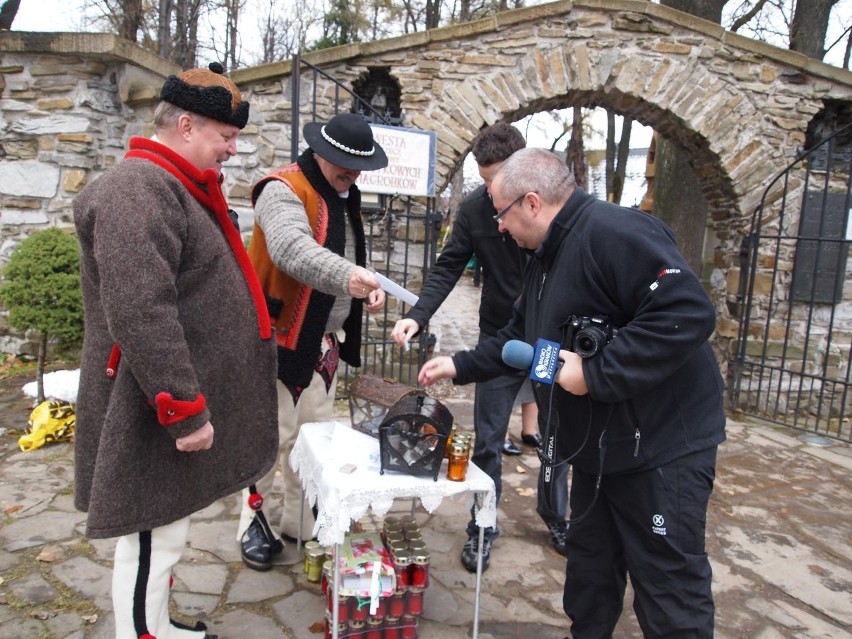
point(298, 312)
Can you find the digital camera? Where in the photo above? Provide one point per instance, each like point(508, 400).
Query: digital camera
point(587, 336)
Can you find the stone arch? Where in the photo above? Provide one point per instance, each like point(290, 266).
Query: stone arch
point(739, 109)
point(713, 120)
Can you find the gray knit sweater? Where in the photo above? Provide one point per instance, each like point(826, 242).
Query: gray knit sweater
point(291, 245)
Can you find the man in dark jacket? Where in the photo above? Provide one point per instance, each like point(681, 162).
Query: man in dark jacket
point(639, 420)
point(176, 406)
point(476, 233)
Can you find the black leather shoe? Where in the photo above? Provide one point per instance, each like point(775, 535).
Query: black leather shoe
point(256, 550)
point(511, 448)
point(533, 440)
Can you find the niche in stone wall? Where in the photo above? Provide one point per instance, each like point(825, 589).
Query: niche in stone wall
point(382, 92)
point(835, 116)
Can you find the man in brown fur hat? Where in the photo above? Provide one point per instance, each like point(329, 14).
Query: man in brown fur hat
point(177, 404)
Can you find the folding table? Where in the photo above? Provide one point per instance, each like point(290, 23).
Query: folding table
point(323, 457)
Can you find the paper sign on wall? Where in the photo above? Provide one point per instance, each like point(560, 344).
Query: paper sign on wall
point(411, 167)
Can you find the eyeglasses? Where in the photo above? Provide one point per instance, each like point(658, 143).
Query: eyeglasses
point(499, 216)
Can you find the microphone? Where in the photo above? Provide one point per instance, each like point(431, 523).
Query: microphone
point(542, 361)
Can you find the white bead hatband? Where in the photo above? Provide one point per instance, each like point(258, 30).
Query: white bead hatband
point(343, 147)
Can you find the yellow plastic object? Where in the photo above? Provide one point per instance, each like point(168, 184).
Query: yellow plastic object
point(51, 421)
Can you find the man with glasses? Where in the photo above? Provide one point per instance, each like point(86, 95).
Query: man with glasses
point(474, 232)
point(639, 420)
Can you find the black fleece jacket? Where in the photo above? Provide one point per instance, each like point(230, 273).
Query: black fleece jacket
point(656, 388)
point(475, 233)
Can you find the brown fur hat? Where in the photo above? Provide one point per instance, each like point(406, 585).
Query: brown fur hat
point(207, 92)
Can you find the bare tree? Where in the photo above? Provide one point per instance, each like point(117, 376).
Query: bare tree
point(428, 14)
point(575, 154)
point(225, 43)
point(810, 26)
point(433, 14)
point(464, 11)
point(124, 17)
point(847, 33)
point(747, 15)
point(164, 28)
point(707, 9)
point(168, 27)
point(184, 37)
point(282, 33)
point(8, 12)
point(132, 20)
point(801, 25)
point(232, 8)
point(617, 154)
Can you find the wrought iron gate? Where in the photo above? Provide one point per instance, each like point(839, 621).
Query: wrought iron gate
point(792, 359)
point(402, 235)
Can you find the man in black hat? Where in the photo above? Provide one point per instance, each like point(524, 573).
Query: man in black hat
point(173, 308)
point(309, 251)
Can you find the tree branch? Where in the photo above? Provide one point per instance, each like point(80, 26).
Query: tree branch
point(748, 15)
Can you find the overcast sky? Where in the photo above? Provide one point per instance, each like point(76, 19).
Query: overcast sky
point(63, 15)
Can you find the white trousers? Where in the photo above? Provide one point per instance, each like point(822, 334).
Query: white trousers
point(315, 405)
point(141, 580)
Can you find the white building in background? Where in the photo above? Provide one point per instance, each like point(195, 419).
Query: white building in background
point(635, 182)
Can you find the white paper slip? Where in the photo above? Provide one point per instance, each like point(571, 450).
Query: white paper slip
point(392, 288)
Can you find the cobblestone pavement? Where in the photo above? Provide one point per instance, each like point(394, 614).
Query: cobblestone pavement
point(779, 536)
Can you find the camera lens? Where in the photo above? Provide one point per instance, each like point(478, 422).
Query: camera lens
point(589, 341)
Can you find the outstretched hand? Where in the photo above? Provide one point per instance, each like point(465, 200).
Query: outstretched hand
point(404, 330)
point(436, 369)
point(362, 283)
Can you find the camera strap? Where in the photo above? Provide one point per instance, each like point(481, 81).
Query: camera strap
point(550, 445)
point(598, 479)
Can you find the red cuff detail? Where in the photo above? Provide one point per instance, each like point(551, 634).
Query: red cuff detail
point(171, 411)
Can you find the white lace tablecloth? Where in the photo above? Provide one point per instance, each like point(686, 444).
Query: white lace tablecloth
point(321, 451)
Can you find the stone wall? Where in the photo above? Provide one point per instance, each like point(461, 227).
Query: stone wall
point(69, 104)
point(739, 107)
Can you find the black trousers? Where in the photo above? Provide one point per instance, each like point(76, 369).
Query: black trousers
point(492, 408)
point(650, 525)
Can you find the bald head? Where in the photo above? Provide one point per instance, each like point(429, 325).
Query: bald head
point(536, 170)
point(528, 190)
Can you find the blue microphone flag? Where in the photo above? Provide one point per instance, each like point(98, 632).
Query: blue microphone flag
point(545, 361)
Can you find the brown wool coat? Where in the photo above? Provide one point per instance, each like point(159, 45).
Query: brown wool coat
point(166, 278)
